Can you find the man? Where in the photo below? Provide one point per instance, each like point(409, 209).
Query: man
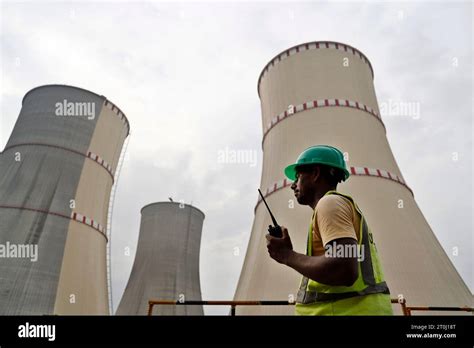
point(342, 274)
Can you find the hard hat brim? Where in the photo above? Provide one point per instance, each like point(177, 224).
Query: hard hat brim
point(290, 171)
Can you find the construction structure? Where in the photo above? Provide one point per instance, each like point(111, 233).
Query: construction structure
point(58, 170)
point(323, 93)
point(166, 262)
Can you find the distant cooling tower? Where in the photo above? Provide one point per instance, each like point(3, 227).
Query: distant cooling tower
point(58, 169)
point(166, 265)
point(323, 93)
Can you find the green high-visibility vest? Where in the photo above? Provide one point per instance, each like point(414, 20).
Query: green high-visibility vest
point(369, 295)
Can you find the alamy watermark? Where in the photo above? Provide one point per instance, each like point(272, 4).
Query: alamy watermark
point(20, 251)
point(345, 251)
point(401, 108)
point(84, 109)
point(241, 156)
point(28, 330)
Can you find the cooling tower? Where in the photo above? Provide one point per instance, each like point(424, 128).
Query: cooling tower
point(166, 265)
point(58, 169)
point(323, 93)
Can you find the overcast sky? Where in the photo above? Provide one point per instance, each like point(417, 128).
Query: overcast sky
point(185, 74)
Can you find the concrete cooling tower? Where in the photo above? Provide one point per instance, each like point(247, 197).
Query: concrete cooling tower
point(58, 169)
point(323, 93)
point(166, 265)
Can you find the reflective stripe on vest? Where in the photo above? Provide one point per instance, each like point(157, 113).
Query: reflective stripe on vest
point(306, 296)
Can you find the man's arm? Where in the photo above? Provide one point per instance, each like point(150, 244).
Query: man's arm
point(335, 271)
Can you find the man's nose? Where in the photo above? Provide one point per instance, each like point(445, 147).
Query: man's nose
point(293, 185)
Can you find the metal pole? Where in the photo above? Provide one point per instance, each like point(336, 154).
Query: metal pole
point(150, 308)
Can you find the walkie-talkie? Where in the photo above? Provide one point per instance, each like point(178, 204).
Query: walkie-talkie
point(274, 231)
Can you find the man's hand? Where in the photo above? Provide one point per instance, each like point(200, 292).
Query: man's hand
point(280, 249)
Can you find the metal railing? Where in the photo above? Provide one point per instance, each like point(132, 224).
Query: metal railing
point(441, 309)
point(406, 310)
point(232, 304)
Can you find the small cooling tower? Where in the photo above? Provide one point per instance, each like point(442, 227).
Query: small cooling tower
point(166, 265)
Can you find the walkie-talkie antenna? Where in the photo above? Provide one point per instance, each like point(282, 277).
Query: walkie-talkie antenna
point(271, 215)
point(276, 229)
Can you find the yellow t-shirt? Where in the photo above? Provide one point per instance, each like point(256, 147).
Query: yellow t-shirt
point(333, 218)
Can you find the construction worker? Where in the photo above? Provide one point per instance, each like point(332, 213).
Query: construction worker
point(342, 274)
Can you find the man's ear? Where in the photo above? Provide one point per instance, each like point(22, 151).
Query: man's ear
point(316, 173)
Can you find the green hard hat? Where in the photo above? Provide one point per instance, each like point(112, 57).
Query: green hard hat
point(318, 154)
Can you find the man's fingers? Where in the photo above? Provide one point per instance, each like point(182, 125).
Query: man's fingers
point(268, 237)
point(284, 232)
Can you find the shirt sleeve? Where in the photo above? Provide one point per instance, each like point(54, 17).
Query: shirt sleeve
point(334, 219)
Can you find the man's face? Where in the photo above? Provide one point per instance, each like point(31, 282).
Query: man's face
point(304, 186)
